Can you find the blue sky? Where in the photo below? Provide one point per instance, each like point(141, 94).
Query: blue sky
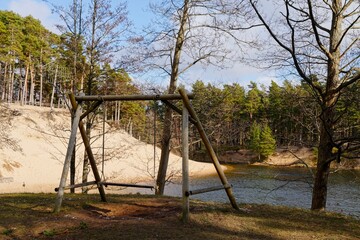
point(40, 10)
point(137, 13)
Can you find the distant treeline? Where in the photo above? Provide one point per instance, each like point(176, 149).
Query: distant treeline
point(37, 68)
point(229, 113)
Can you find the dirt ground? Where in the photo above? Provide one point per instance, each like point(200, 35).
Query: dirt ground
point(89, 218)
point(30, 216)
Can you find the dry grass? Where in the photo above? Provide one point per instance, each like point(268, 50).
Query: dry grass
point(29, 216)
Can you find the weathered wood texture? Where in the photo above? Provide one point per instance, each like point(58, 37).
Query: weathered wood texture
point(185, 164)
point(130, 97)
point(69, 152)
point(209, 149)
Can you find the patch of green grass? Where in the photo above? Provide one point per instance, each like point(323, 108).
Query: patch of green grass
point(83, 225)
point(8, 232)
point(49, 232)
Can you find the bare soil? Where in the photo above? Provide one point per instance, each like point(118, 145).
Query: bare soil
point(30, 216)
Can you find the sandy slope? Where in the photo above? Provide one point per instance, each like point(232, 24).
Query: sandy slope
point(42, 135)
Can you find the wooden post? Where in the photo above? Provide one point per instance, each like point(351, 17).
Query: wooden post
point(92, 161)
point(75, 123)
point(185, 164)
point(209, 149)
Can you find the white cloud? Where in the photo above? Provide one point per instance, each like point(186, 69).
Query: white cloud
point(239, 73)
point(266, 80)
point(38, 9)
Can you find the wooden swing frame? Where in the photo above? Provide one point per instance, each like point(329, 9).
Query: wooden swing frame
point(188, 114)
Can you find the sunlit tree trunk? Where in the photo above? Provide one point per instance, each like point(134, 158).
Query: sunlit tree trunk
point(54, 88)
point(32, 86)
point(41, 79)
point(2, 85)
point(331, 95)
point(165, 141)
point(25, 86)
point(11, 87)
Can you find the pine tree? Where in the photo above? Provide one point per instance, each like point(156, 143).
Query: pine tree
point(267, 142)
point(253, 102)
point(262, 141)
point(255, 133)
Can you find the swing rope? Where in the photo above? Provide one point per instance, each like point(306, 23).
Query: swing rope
point(155, 109)
point(103, 144)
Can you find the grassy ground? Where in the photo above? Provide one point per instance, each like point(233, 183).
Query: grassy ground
point(29, 216)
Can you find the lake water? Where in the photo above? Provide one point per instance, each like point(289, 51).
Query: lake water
point(280, 186)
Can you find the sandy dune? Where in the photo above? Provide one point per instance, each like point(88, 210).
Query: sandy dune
point(43, 134)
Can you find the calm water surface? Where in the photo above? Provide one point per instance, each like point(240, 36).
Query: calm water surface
point(280, 186)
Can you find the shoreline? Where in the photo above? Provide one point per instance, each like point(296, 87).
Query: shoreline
point(34, 161)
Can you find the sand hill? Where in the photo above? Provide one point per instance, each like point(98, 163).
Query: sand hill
point(34, 143)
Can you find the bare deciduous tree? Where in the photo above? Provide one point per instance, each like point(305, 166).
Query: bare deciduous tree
point(318, 38)
point(102, 29)
point(186, 33)
point(108, 29)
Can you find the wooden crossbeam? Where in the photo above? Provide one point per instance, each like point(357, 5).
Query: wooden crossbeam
point(205, 190)
point(130, 97)
point(105, 184)
point(126, 185)
point(77, 185)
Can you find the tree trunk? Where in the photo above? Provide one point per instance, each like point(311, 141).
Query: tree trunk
point(165, 151)
point(89, 91)
point(1, 86)
point(11, 83)
point(319, 195)
point(73, 169)
point(6, 83)
point(41, 79)
point(327, 117)
point(32, 86)
point(72, 164)
point(86, 168)
point(54, 88)
point(18, 89)
point(24, 94)
point(165, 141)
point(3, 96)
point(73, 88)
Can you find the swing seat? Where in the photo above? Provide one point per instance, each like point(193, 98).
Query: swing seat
point(126, 185)
point(77, 185)
point(205, 190)
point(105, 184)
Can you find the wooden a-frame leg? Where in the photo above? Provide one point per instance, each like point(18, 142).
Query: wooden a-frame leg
point(185, 165)
point(92, 161)
point(209, 149)
point(76, 122)
point(69, 152)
